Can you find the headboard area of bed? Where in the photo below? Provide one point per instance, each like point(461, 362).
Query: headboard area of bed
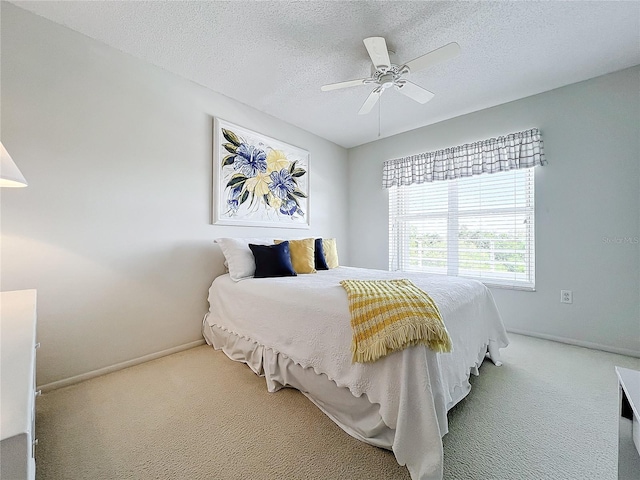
point(218, 267)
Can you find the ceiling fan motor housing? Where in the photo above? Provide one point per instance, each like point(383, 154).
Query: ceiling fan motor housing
point(389, 77)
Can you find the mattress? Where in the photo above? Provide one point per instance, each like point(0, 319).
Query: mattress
point(299, 328)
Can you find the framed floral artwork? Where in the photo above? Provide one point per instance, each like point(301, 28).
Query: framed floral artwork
point(258, 180)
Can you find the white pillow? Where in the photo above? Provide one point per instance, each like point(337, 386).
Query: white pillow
point(238, 255)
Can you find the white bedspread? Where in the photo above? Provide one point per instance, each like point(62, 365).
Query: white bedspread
point(306, 318)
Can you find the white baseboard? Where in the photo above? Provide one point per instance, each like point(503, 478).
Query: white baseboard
point(118, 366)
point(578, 343)
point(146, 358)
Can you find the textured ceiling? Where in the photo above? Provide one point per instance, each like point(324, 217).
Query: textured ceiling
point(275, 56)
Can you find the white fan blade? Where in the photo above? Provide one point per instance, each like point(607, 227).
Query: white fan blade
point(414, 92)
point(348, 83)
point(438, 55)
point(377, 48)
point(371, 100)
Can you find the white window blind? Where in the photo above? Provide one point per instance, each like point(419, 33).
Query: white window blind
point(479, 227)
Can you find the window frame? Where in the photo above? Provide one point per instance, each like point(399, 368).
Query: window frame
point(452, 215)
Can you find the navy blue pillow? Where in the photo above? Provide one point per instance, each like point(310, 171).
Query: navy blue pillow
point(272, 260)
point(321, 262)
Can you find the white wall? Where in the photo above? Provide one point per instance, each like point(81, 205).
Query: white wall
point(586, 194)
point(114, 229)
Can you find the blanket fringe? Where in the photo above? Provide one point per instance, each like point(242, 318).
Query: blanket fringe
point(402, 337)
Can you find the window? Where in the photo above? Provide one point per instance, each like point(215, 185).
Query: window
point(479, 227)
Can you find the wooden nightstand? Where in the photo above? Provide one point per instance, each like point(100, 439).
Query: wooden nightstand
point(18, 382)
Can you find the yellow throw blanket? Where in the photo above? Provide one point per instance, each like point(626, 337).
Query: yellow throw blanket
point(390, 315)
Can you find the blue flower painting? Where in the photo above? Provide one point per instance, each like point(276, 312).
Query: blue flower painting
point(250, 160)
point(282, 184)
point(262, 181)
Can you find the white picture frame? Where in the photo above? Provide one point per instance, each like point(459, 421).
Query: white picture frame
point(258, 181)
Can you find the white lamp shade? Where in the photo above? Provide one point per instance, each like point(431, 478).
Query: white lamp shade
point(10, 175)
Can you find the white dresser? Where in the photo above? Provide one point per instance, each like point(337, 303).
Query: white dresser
point(629, 424)
point(17, 376)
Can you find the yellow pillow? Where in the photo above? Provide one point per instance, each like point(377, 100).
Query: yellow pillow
point(302, 255)
point(330, 252)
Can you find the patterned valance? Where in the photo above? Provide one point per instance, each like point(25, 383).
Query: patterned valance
point(516, 150)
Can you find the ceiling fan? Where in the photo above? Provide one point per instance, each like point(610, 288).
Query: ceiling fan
point(386, 74)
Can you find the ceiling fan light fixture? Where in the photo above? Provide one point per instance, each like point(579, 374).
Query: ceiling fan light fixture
point(387, 80)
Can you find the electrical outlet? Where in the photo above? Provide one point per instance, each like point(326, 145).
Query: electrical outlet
point(566, 296)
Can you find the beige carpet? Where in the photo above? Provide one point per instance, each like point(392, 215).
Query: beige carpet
point(549, 413)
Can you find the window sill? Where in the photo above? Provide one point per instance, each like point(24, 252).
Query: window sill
point(486, 282)
point(509, 287)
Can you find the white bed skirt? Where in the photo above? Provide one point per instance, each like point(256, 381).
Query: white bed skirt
point(355, 415)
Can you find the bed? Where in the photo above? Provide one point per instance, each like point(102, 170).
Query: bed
point(295, 331)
